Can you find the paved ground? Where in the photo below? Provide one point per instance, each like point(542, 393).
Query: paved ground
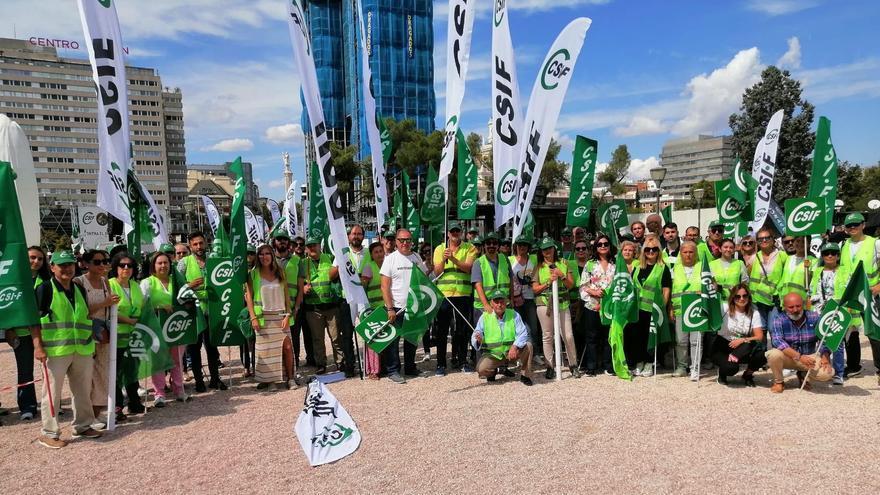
point(462, 435)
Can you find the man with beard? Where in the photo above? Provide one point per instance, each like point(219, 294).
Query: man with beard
point(453, 261)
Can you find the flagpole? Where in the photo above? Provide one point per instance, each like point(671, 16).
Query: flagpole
point(557, 338)
point(111, 371)
point(815, 365)
point(361, 359)
point(699, 357)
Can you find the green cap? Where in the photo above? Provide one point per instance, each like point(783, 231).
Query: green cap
point(830, 246)
point(280, 234)
point(854, 218)
point(547, 242)
point(62, 257)
point(474, 230)
point(477, 241)
point(490, 235)
point(251, 248)
point(496, 294)
point(566, 231)
point(166, 248)
point(454, 225)
point(389, 234)
point(527, 240)
point(313, 240)
point(715, 223)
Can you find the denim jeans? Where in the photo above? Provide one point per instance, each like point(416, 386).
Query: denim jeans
point(391, 354)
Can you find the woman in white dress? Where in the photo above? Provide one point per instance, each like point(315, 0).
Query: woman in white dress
point(269, 309)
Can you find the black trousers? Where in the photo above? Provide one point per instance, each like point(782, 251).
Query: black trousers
point(598, 352)
point(635, 341)
point(854, 352)
point(24, 362)
point(195, 356)
point(750, 353)
point(126, 368)
point(246, 353)
point(460, 333)
point(300, 326)
point(875, 352)
point(346, 334)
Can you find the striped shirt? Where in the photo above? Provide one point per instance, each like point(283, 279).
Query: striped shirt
point(785, 333)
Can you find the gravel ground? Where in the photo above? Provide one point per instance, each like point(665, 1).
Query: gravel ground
point(461, 435)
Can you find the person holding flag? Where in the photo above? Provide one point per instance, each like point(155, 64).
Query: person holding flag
point(396, 272)
point(795, 344)
point(864, 248)
point(686, 279)
point(453, 261)
point(596, 277)
point(828, 284)
point(740, 339)
point(64, 344)
point(504, 338)
point(798, 265)
point(550, 269)
point(654, 283)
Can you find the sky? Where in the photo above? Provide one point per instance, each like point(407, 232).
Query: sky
point(649, 71)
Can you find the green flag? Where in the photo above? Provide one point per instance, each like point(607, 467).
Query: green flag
point(659, 329)
point(225, 302)
point(858, 297)
point(739, 186)
point(622, 304)
point(147, 347)
point(833, 324)
point(318, 225)
point(710, 296)
point(375, 329)
point(434, 202)
point(413, 223)
point(730, 210)
point(666, 213)
point(422, 306)
point(180, 326)
point(693, 313)
point(823, 180)
point(583, 170)
point(17, 302)
point(467, 179)
point(237, 227)
point(141, 231)
point(612, 218)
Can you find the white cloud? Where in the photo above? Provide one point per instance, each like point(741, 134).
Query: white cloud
point(233, 144)
point(441, 9)
point(640, 125)
point(275, 183)
point(860, 78)
point(781, 7)
point(284, 134)
point(640, 169)
point(791, 59)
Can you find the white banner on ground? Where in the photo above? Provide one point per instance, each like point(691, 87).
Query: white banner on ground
point(274, 210)
point(379, 185)
point(764, 169)
point(290, 211)
point(545, 103)
point(302, 49)
point(506, 117)
point(324, 428)
point(94, 225)
point(104, 43)
point(212, 213)
point(254, 229)
point(458, 52)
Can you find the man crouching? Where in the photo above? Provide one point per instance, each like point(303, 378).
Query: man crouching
point(504, 338)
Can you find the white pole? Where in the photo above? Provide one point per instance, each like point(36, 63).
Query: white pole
point(557, 337)
point(699, 356)
point(111, 372)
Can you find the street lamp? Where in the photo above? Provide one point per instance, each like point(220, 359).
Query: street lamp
point(657, 175)
point(698, 195)
point(188, 209)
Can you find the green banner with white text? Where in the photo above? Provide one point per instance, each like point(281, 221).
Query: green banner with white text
point(583, 170)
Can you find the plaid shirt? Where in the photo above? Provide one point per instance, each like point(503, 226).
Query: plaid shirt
point(785, 333)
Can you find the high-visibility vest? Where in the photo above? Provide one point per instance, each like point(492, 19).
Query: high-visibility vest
point(681, 285)
point(159, 295)
point(497, 339)
point(130, 307)
point(793, 279)
point(575, 293)
point(703, 248)
point(454, 282)
point(841, 279)
point(490, 281)
point(727, 278)
point(543, 299)
point(865, 254)
point(648, 289)
point(374, 288)
point(764, 286)
point(668, 260)
point(318, 274)
point(291, 272)
point(67, 329)
point(194, 271)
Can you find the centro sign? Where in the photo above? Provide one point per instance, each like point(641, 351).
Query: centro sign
point(805, 217)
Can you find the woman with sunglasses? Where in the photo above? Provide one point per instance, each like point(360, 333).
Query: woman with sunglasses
point(372, 283)
point(828, 284)
point(595, 278)
point(766, 274)
point(650, 275)
point(747, 249)
point(269, 308)
point(99, 299)
point(726, 270)
point(740, 340)
point(157, 289)
point(123, 270)
point(549, 270)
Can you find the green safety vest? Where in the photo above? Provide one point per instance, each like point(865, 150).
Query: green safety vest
point(129, 307)
point(194, 271)
point(681, 285)
point(67, 329)
point(374, 288)
point(497, 339)
point(159, 296)
point(793, 280)
point(865, 254)
point(841, 279)
point(291, 272)
point(258, 296)
point(728, 277)
point(319, 276)
point(652, 283)
point(543, 299)
point(575, 293)
point(703, 248)
point(454, 282)
point(489, 281)
point(666, 259)
point(765, 286)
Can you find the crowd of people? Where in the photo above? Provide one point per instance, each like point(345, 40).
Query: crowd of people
point(497, 314)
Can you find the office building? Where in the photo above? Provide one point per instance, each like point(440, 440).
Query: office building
point(693, 159)
point(53, 99)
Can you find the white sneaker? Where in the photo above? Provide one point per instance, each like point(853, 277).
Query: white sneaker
point(695, 377)
point(159, 402)
point(142, 392)
point(837, 380)
point(426, 357)
point(647, 370)
point(787, 373)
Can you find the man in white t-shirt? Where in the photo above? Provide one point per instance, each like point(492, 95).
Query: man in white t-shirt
point(396, 271)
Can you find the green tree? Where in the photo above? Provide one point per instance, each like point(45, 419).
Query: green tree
point(616, 170)
point(851, 186)
point(708, 200)
point(777, 90)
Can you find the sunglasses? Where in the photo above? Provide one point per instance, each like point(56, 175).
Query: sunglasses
point(764, 239)
point(299, 244)
point(36, 258)
point(748, 243)
point(582, 248)
point(830, 253)
point(788, 241)
point(852, 225)
point(181, 253)
point(741, 296)
point(125, 266)
point(491, 243)
point(716, 230)
point(100, 262)
point(602, 244)
point(651, 250)
point(404, 239)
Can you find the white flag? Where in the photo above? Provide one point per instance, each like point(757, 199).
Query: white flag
point(302, 49)
point(324, 428)
point(272, 205)
point(104, 43)
point(545, 103)
point(506, 117)
point(290, 211)
point(212, 213)
point(370, 116)
point(264, 228)
point(253, 227)
point(157, 221)
point(458, 50)
point(764, 168)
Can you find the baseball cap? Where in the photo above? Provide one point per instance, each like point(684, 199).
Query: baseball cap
point(166, 248)
point(547, 242)
point(313, 240)
point(497, 294)
point(453, 225)
point(830, 246)
point(62, 257)
point(854, 218)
